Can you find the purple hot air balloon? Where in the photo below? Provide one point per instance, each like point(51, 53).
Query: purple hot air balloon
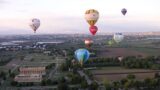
point(124, 11)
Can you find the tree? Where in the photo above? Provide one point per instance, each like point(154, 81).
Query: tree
point(116, 85)
point(156, 75)
point(107, 85)
point(127, 85)
point(14, 83)
point(84, 84)
point(48, 82)
point(63, 67)
point(12, 75)
point(93, 86)
point(2, 74)
point(149, 83)
point(123, 81)
point(9, 71)
point(138, 84)
point(63, 86)
point(43, 82)
point(131, 76)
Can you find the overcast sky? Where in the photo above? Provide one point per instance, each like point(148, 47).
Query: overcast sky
point(67, 16)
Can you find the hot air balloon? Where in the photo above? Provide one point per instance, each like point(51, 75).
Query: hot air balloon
point(124, 11)
point(91, 16)
point(82, 55)
point(88, 42)
point(34, 24)
point(118, 37)
point(110, 42)
point(93, 29)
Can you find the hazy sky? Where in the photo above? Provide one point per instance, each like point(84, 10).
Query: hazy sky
point(67, 16)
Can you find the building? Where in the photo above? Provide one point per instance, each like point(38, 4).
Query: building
point(32, 70)
point(30, 74)
point(28, 78)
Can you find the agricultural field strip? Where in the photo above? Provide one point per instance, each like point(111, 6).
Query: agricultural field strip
point(126, 72)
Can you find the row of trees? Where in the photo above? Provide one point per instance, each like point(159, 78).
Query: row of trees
point(60, 83)
point(100, 62)
point(128, 62)
point(145, 63)
point(5, 60)
point(130, 82)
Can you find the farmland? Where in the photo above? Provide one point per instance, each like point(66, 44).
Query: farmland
point(118, 73)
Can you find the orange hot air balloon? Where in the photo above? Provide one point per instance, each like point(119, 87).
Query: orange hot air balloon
point(88, 42)
point(93, 29)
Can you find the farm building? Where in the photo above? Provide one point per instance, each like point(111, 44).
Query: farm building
point(30, 74)
point(28, 78)
point(32, 70)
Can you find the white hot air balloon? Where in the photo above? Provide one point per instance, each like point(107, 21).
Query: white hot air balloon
point(34, 24)
point(118, 37)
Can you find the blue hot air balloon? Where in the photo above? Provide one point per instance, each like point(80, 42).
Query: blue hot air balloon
point(82, 55)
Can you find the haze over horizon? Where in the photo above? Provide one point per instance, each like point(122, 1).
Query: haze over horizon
point(61, 16)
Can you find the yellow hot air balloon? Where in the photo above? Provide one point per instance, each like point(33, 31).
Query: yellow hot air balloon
point(91, 16)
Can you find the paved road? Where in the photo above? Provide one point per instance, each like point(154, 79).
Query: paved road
point(89, 81)
point(52, 72)
point(58, 63)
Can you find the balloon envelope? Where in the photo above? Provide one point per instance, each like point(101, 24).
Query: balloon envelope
point(82, 55)
point(88, 42)
point(110, 42)
point(118, 37)
point(91, 16)
point(93, 29)
point(34, 24)
point(124, 11)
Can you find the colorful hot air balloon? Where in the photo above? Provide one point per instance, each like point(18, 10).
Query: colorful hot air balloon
point(34, 24)
point(91, 16)
point(124, 11)
point(88, 42)
point(118, 37)
point(93, 29)
point(82, 55)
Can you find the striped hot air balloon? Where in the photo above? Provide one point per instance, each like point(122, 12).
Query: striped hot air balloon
point(82, 55)
point(91, 16)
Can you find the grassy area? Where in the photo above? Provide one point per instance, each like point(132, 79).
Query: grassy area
point(38, 60)
point(115, 77)
point(5, 69)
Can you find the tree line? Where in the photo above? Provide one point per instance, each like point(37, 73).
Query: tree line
point(130, 82)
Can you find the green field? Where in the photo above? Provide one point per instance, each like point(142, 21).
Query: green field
point(37, 59)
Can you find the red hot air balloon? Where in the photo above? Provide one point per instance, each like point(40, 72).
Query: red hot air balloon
point(88, 42)
point(93, 29)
